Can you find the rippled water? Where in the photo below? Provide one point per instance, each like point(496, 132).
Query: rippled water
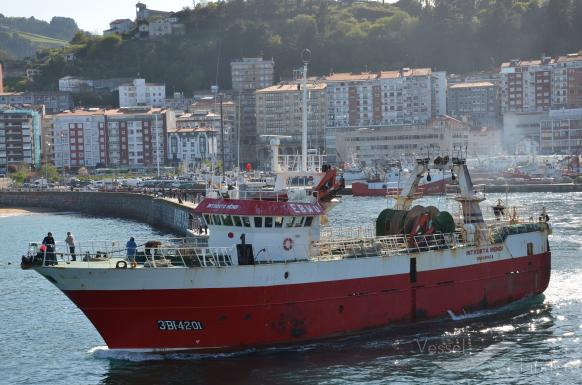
point(46, 340)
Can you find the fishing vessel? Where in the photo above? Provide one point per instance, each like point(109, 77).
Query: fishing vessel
point(272, 275)
point(430, 184)
point(269, 273)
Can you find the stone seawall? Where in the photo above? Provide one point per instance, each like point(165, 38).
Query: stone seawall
point(155, 211)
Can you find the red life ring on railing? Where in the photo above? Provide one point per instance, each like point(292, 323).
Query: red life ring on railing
point(288, 244)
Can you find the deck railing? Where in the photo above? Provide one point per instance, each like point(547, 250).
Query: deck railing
point(174, 252)
point(385, 246)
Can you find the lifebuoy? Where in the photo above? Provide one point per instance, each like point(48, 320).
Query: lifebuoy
point(121, 265)
point(288, 244)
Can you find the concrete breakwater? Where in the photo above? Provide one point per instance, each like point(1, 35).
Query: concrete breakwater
point(157, 212)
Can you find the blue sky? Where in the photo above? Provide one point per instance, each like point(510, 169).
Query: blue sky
point(93, 16)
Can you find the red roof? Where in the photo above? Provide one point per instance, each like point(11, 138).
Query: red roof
point(257, 208)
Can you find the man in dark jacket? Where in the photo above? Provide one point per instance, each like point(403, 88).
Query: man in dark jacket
point(50, 257)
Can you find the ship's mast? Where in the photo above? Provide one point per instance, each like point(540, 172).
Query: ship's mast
point(305, 56)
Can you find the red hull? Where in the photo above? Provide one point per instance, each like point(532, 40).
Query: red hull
point(362, 189)
point(237, 318)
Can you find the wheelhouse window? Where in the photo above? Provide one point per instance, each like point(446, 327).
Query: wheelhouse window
point(278, 221)
point(237, 221)
point(216, 220)
point(207, 218)
point(258, 221)
point(268, 222)
point(289, 221)
point(227, 220)
point(308, 221)
point(246, 221)
point(299, 221)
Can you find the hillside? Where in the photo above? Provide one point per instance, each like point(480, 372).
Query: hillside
point(22, 37)
point(453, 35)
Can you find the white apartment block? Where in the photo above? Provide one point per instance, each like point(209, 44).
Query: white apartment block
point(252, 73)
point(76, 138)
point(408, 96)
point(140, 93)
point(192, 145)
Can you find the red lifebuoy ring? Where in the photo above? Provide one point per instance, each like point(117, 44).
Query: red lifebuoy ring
point(288, 244)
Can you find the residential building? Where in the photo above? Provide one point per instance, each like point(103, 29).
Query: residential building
point(54, 101)
point(438, 93)
point(279, 112)
point(192, 146)
point(152, 23)
point(541, 85)
point(140, 93)
point(209, 118)
point(252, 73)
point(77, 85)
point(20, 137)
point(248, 75)
point(46, 140)
point(384, 143)
point(407, 96)
point(134, 137)
point(561, 132)
point(119, 27)
point(475, 102)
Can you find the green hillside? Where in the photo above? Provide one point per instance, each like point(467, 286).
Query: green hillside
point(22, 37)
point(452, 35)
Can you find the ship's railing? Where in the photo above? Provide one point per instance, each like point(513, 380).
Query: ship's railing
point(348, 232)
point(386, 245)
point(172, 253)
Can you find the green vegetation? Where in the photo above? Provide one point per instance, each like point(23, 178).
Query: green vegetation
point(21, 37)
point(453, 35)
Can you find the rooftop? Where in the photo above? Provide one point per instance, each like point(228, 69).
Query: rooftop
point(292, 88)
point(472, 85)
point(345, 76)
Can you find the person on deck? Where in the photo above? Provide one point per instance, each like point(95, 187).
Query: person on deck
point(49, 242)
point(131, 247)
point(70, 241)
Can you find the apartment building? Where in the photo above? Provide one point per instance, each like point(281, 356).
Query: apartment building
point(561, 133)
point(248, 75)
point(407, 96)
point(134, 137)
point(20, 137)
point(140, 93)
point(53, 101)
point(252, 73)
point(202, 119)
point(280, 112)
point(192, 146)
point(475, 102)
point(541, 85)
